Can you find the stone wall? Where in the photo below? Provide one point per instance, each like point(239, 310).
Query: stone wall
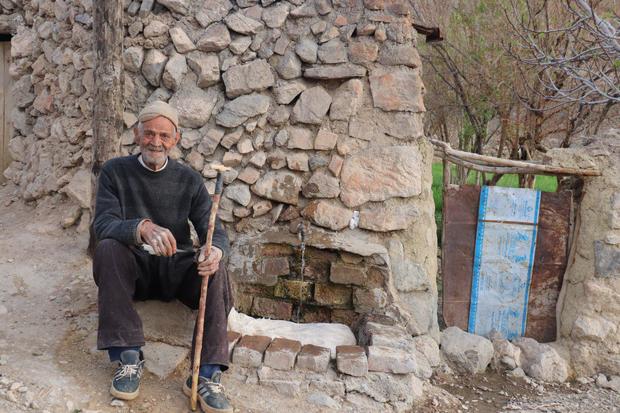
point(589, 310)
point(52, 70)
point(315, 104)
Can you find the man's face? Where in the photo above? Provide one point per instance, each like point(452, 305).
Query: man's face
point(156, 138)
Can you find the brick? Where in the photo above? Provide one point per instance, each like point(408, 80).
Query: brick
point(281, 353)
point(376, 334)
point(346, 317)
point(368, 300)
point(243, 302)
point(347, 274)
point(287, 382)
point(327, 294)
point(290, 213)
point(363, 51)
point(249, 351)
point(335, 164)
point(351, 360)
point(315, 314)
point(249, 175)
point(313, 358)
point(297, 162)
point(325, 140)
point(233, 338)
point(397, 90)
point(275, 250)
point(275, 266)
point(274, 309)
point(330, 387)
point(232, 159)
point(374, 4)
point(390, 360)
point(296, 289)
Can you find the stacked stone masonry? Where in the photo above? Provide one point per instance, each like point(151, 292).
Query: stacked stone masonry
point(317, 105)
point(375, 377)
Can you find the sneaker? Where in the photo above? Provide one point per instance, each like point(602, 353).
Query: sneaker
point(126, 381)
point(210, 394)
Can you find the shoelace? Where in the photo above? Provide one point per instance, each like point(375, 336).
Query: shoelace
point(213, 388)
point(126, 370)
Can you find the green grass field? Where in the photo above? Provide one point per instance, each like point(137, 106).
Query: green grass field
point(543, 183)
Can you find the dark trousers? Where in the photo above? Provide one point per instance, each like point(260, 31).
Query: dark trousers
point(126, 273)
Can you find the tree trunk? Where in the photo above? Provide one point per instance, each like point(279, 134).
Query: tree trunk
point(108, 99)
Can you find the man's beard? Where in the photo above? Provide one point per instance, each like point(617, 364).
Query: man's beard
point(154, 156)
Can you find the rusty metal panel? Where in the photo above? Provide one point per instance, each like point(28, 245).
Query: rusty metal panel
point(549, 265)
point(460, 220)
point(460, 215)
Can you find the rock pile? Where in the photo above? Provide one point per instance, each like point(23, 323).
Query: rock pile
point(472, 354)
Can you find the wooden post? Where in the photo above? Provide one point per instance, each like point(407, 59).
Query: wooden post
point(108, 99)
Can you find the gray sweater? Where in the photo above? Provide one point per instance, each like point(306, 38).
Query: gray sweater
point(127, 193)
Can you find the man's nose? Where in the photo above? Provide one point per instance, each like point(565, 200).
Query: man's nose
point(156, 141)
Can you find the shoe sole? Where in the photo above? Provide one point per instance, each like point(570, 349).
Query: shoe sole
point(124, 395)
point(205, 408)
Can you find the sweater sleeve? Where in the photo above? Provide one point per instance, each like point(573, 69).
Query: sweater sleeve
point(109, 222)
point(199, 215)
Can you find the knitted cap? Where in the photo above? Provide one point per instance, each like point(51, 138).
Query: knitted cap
point(159, 108)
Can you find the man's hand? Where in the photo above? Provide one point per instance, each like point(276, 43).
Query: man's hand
point(160, 238)
point(210, 265)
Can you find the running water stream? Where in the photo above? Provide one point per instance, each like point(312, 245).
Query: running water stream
point(301, 234)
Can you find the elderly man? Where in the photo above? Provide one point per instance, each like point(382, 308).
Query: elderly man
point(144, 251)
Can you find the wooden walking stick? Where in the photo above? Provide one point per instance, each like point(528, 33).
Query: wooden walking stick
point(204, 253)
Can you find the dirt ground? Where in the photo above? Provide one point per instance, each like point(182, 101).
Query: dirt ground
point(48, 361)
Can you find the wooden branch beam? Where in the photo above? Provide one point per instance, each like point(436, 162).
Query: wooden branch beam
point(485, 163)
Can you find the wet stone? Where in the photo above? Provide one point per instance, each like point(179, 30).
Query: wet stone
point(347, 274)
point(336, 295)
point(274, 309)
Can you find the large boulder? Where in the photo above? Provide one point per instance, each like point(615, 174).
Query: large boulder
point(542, 361)
point(468, 352)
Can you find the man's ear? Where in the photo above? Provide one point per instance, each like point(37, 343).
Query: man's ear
point(178, 137)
